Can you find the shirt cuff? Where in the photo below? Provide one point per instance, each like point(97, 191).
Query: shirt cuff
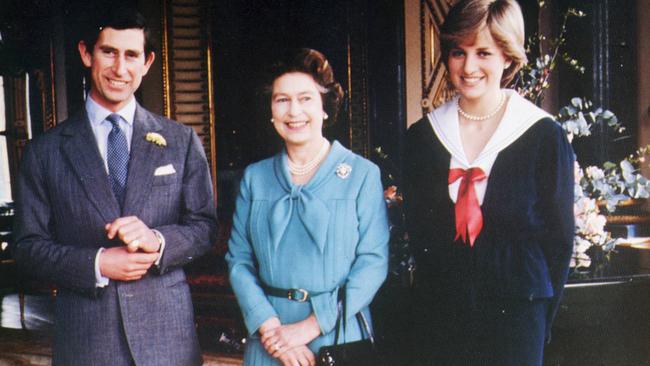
point(100, 281)
point(161, 239)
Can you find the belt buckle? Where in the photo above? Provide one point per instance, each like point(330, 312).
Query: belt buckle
point(298, 294)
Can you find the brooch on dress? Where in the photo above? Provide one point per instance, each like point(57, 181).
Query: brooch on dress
point(343, 170)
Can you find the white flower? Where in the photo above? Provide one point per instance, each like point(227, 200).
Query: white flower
point(583, 206)
point(155, 138)
point(595, 225)
point(577, 173)
point(595, 173)
point(580, 257)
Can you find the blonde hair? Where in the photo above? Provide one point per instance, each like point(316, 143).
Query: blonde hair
point(504, 20)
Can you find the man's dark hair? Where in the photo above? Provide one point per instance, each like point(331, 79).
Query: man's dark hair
point(120, 18)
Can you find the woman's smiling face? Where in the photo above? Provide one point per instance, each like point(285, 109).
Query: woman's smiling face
point(297, 108)
point(476, 66)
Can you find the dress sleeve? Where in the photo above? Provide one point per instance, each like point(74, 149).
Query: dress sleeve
point(243, 265)
point(370, 266)
point(556, 174)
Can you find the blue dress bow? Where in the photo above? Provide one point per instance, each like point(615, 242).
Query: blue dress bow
point(312, 211)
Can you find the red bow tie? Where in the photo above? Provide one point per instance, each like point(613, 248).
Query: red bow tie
point(469, 218)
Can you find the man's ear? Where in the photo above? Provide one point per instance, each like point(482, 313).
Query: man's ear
point(85, 53)
point(148, 61)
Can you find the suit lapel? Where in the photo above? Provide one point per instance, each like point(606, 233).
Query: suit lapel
point(145, 157)
point(81, 150)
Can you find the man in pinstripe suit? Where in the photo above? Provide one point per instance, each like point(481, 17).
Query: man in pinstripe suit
point(111, 204)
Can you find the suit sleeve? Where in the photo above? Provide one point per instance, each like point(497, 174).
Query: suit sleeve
point(242, 264)
point(196, 229)
point(370, 267)
point(35, 250)
point(556, 168)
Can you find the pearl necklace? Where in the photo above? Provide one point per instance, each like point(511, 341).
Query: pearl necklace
point(472, 117)
point(308, 167)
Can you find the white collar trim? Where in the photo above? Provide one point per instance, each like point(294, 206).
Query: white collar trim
point(519, 116)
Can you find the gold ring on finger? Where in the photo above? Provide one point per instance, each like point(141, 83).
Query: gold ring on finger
point(134, 244)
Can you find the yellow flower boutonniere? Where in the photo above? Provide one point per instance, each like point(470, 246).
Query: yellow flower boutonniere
point(156, 138)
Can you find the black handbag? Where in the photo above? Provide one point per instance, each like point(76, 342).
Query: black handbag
point(358, 353)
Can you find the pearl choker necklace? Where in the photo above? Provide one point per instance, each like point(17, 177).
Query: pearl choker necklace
point(472, 117)
point(308, 167)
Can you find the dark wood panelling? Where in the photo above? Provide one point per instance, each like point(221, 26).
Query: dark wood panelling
point(187, 69)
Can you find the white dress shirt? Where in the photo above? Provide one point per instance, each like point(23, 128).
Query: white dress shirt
point(101, 129)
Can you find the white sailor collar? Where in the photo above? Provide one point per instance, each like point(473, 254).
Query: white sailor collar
point(519, 116)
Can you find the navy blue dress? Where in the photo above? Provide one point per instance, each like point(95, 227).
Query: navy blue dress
point(493, 303)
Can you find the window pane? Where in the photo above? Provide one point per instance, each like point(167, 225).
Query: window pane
point(3, 121)
point(28, 116)
point(5, 182)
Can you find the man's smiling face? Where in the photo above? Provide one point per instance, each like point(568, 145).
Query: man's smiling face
point(117, 64)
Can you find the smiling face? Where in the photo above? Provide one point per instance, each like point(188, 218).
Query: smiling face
point(476, 67)
point(117, 64)
point(297, 109)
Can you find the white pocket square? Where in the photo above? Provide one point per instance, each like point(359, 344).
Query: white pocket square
point(164, 170)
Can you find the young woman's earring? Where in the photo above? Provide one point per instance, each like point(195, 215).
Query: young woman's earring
point(272, 120)
point(325, 116)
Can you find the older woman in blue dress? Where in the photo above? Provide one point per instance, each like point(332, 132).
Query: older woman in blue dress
point(308, 221)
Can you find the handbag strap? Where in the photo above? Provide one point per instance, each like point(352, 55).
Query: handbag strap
point(342, 313)
point(363, 325)
point(340, 304)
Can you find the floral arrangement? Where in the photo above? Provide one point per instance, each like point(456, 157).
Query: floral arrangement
point(590, 224)
point(595, 187)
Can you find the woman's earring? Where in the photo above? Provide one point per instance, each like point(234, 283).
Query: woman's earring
point(325, 116)
point(272, 120)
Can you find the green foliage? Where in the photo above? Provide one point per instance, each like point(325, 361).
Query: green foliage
point(610, 183)
point(613, 182)
point(532, 79)
point(578, 118)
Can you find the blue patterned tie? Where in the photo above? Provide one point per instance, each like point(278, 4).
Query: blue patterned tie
point(117, 156)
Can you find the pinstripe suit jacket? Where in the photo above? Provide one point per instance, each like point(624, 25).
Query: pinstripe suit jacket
point(65, 199)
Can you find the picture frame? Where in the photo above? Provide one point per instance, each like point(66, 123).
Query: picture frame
point(435, 90)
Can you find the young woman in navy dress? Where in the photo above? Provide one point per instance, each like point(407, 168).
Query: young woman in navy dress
point(489, 199)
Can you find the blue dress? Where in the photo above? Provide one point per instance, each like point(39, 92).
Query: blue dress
point(330, 232)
